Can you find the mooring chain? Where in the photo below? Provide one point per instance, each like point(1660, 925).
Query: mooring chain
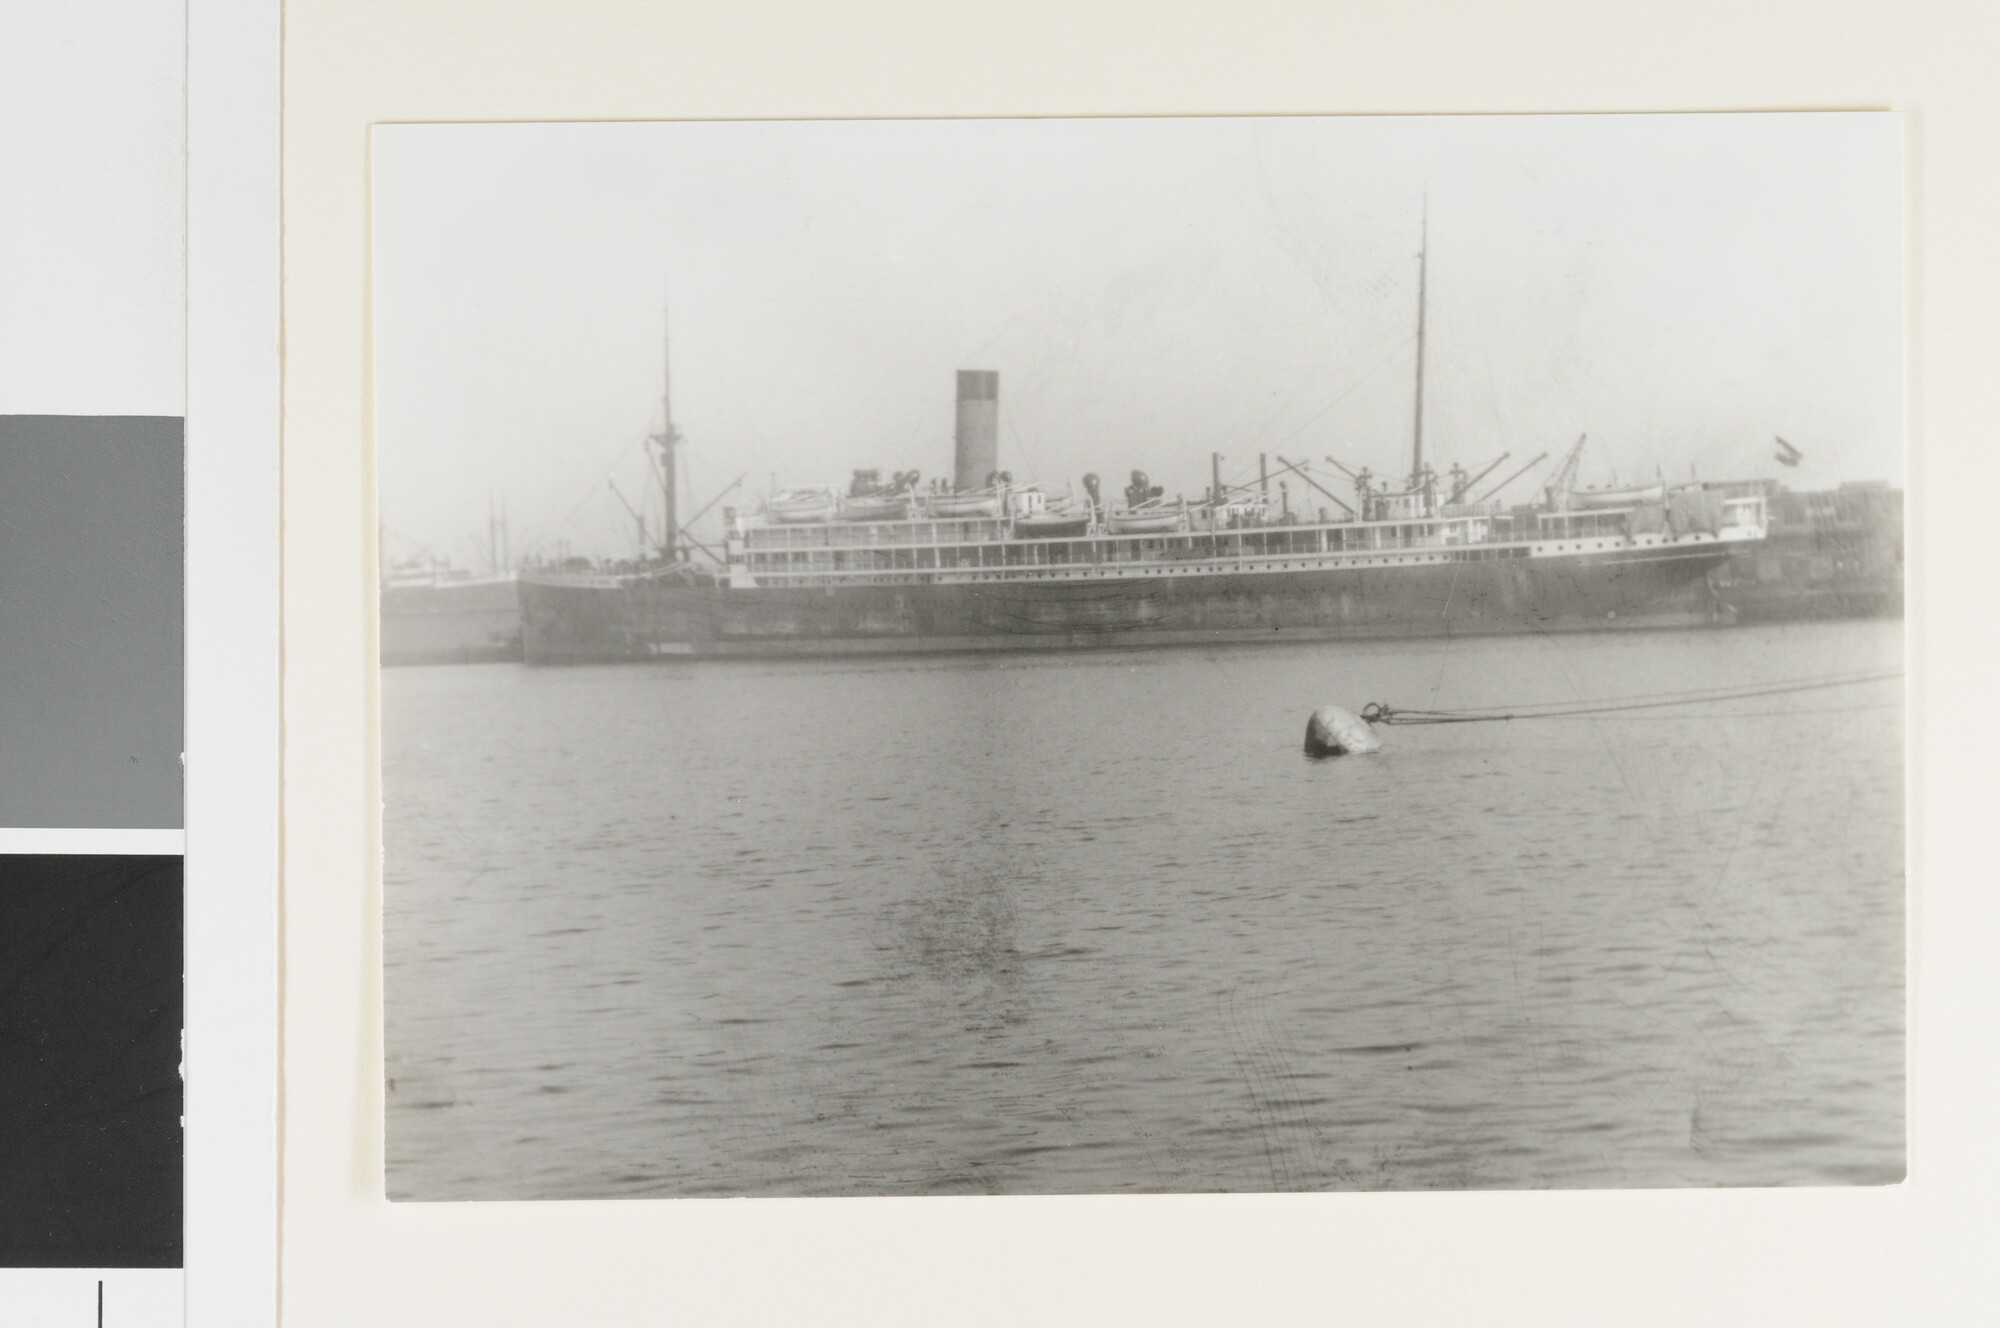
point(1376, 712)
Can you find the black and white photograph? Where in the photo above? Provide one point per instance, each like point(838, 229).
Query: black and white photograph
point(1149, 656)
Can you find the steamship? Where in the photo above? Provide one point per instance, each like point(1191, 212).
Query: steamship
point(983, 564)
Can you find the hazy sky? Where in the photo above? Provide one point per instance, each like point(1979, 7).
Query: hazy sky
point(1681, 288)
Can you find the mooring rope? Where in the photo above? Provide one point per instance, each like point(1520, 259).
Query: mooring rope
point(1377, 713)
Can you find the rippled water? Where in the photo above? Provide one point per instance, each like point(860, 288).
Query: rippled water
point(1088, 924)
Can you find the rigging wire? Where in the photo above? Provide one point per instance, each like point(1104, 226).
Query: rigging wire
point(1743, 714)
point(1696, 693)
point(1377, 713)
point(1021, 445)
point(1350, 389)
point(538, 533)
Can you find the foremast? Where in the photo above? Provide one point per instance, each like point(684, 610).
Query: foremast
point(669, 441)
point(1420, 483)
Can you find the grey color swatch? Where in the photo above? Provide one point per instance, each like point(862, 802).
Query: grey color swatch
point(91, 621)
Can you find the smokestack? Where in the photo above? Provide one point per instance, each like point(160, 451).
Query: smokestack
point(978, 436)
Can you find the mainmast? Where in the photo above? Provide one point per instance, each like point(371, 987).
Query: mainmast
point(670, 438)
point(1423, 264)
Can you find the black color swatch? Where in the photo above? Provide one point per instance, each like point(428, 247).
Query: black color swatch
point(90, 1050)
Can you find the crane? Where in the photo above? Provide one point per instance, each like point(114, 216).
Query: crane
point(1559, 483)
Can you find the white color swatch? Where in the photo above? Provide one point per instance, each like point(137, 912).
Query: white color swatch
point(92, 208)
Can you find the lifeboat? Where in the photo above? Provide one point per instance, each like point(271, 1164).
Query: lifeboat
point(1148, 520)
point(797, 506)
point(976, 502)
point(1598, 499)
point(875, 507)
point(1058, 524)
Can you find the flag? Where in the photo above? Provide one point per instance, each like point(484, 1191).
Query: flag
point(1787, 454)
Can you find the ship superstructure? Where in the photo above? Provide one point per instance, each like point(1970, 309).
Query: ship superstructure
point(763, 554)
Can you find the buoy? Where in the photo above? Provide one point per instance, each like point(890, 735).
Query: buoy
point(1335, 732)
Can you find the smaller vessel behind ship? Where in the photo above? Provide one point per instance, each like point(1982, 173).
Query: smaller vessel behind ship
point(1830, 553)
point(434, 615)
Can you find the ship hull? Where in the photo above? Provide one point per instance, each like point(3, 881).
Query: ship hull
point(576, 622)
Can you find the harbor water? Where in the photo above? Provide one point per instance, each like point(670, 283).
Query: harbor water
point(1093, 923)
